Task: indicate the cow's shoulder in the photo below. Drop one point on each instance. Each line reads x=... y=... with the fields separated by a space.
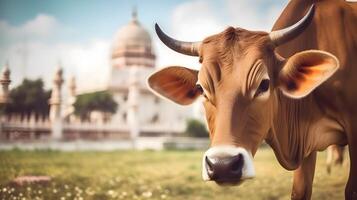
x=296 y=9
x=334 y=20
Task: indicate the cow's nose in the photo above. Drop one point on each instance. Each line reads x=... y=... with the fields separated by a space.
x=225 y=169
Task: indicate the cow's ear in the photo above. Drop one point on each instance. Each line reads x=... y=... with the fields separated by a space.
x=305 y=71
x=176 y=83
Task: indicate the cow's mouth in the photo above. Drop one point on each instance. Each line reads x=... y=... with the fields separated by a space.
x=229 y=182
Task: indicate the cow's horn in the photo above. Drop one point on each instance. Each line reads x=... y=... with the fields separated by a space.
x=187 y=48
x=281 y=36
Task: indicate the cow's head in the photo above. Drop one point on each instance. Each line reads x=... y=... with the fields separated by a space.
x=240 y=78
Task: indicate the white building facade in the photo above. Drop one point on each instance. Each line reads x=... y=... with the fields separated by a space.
x=133 y=60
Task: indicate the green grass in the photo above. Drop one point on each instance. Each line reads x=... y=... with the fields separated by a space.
x=150 y=175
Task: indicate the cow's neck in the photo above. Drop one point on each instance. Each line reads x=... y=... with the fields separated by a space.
x=291 y=124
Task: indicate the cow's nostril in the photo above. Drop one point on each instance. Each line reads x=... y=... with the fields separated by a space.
x=237 y=163
x=209 y=165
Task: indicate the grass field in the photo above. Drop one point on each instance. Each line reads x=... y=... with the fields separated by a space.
x=149 y=175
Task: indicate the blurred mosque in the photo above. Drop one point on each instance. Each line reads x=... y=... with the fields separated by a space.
x=140 y=113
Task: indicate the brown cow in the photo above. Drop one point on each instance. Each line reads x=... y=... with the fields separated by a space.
x=270 y=86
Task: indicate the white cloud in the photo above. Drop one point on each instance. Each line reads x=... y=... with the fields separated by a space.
x=254 y=14
x=32 y=54
x=195 y=20
x=188 y=23
x=89 y=63
x=42 y=27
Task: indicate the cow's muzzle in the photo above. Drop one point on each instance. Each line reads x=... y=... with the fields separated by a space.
x=227 y=165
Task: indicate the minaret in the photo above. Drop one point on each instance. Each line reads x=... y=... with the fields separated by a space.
x=72 y=86
x=133 y=104
x=55 y=105
x=5 y=82
x=71 y=97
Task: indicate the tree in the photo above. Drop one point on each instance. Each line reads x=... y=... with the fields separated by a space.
x=29 y=98
x=196 y=128
x=96 y=101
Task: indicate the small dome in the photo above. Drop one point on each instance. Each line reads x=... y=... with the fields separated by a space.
x=132 y=46
x=6 y=71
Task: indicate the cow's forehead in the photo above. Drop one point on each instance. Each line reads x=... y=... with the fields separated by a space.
x=232 y=43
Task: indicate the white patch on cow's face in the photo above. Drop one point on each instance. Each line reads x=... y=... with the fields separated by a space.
x=248 y=170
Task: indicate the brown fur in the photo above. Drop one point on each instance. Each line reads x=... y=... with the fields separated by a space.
x=334 y=30
x=303 y=111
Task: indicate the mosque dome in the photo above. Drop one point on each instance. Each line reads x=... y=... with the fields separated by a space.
x=132 y=45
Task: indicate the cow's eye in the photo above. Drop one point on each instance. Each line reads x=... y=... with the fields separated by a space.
x=263 y=87
x=200 y=90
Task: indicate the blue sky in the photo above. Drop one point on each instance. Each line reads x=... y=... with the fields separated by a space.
x=93 y=18
x=35 y=35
